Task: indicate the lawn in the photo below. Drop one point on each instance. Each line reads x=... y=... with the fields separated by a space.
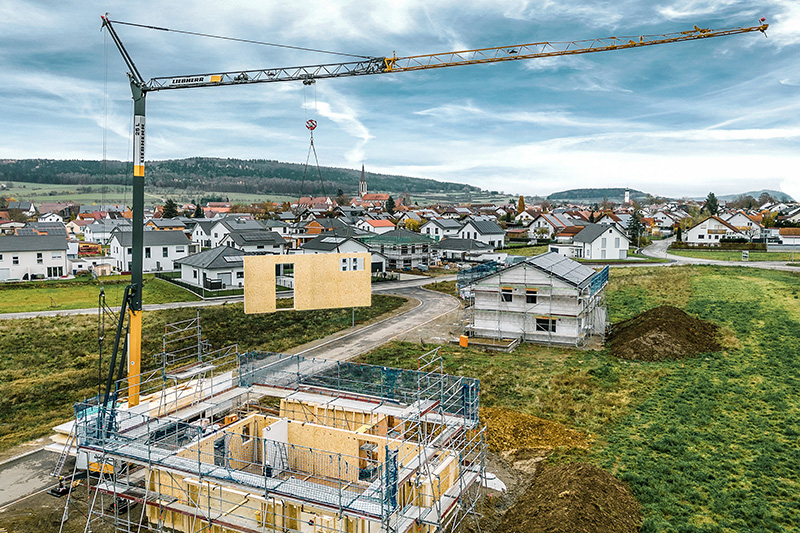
x=526 y=250
x=47 y=364
x=735 y=255
x=83 y=293
x=708 y=443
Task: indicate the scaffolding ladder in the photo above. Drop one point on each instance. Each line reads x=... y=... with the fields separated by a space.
x=62 y=459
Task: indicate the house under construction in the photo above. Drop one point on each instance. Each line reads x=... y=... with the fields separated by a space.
x=225 y=441
x=548 y=299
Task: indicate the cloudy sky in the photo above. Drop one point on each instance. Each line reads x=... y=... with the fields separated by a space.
x=719 y=115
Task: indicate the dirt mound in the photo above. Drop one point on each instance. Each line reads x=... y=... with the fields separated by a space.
x=574 y=498
x=510 y=430
x=662 y=333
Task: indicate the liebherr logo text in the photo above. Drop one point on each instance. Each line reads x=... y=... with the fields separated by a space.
x=177 y=81
x=139 y=134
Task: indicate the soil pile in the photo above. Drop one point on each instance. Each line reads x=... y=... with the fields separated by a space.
x=662 y=333
x=510 y=430
x=574 y=498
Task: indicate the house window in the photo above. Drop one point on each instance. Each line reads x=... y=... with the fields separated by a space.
x=147 y=253
x=194 y=274
x=164 y=252
x=240 y=274
x=39 y=258
x=506 y=294
x=546 y=324
x=603 y=242
x=15 y=259
x=616 y=242
x=345 y=265
x=1 y=257
x=530 y=296
x=179 y=249
x=130 y=252
x=55 y=255
x=701 y=236
x=356 y=263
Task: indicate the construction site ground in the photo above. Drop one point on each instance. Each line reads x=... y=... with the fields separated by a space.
x=639 y=422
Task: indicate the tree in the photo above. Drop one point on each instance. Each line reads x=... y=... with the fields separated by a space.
x=413 y=225
x=3 y=202
x=712 y=205
x=591 y=217
x=769 y=220
x=636 y=226
x=765 y=198
x=341 y=199
x=521 y=204
x=170 y=209
x=198 y=212
x=679 y=235
x=390 y=206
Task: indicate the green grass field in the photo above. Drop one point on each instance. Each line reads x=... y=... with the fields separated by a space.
x=83 y=294
x=48 y=364
x=119 y=194
x=526 y=250
x=735 y=255
x=708 y=443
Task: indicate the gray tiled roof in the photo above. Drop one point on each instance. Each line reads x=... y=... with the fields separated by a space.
x=590 y=232
x=485 y=227
x=31 y=243
x=153 y=238
x=219 y=257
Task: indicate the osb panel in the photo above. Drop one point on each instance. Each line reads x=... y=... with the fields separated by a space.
x=319 y=283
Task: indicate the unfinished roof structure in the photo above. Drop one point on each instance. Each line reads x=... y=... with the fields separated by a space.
x=252 y=442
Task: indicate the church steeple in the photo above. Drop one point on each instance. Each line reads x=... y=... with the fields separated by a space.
x=362 y=184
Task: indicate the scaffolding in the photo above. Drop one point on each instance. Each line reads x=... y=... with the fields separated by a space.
x=257 y=441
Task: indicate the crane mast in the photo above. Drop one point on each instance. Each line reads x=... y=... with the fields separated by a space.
x=367 y=66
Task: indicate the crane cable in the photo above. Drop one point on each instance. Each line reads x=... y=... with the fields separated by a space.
x=236 y=39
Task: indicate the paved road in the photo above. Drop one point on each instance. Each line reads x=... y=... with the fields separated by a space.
x=411 y=281
x=659 y=249
x=28 y=475
x=431 y=306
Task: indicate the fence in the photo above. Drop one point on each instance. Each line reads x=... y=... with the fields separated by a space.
x=172 y=277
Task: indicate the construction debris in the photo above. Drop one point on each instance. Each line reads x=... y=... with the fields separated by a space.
x=574 y=498
x=662 y=333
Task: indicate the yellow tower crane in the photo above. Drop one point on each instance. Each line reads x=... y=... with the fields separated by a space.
x=308 y=74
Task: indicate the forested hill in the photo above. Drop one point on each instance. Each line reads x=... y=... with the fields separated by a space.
x=616 y=194
x=255 y=176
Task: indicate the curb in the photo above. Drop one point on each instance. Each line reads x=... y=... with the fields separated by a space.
x=21 y=456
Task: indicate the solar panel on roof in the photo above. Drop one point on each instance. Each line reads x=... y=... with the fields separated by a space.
x=333 y=240
x=233 y=258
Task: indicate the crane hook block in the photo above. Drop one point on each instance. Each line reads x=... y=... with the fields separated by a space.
x=311 y=124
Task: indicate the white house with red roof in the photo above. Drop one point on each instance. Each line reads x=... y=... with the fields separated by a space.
x=379 y=226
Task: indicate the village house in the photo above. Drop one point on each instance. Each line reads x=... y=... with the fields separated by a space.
x=547 y=299
x=329 y=244
x=486 y=231
x=440 y=228
x=161 y=249
x=218 y=268
x=710 y=231
x=223 y=226
x=403 y=249
x=255 y=242
x=100 y=230
x=595 y=241
x=379 y=226
x=27 y=257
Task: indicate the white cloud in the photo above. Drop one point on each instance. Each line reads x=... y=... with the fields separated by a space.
x=336 y=108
